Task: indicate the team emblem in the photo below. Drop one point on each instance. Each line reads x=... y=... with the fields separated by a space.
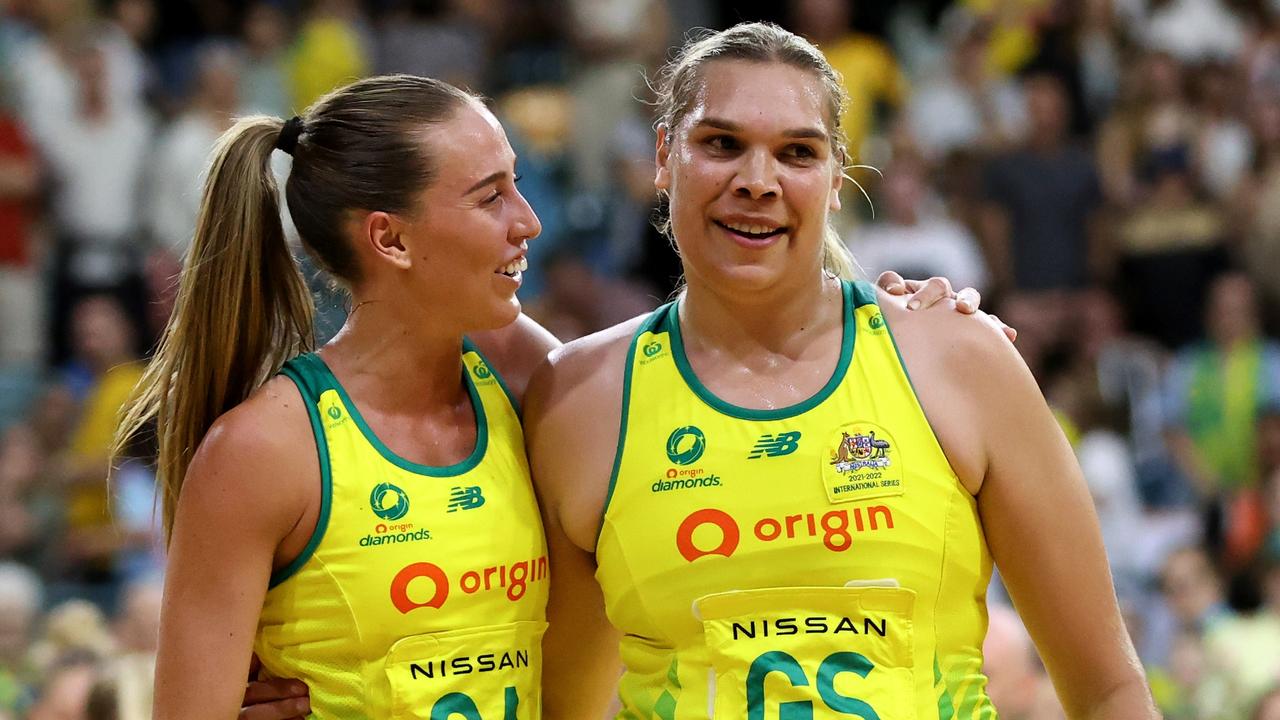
x=859 y=451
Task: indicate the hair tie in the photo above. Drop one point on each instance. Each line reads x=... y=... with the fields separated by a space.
x=288 y=140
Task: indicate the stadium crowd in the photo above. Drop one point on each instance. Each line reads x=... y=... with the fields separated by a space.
x=1106 y=172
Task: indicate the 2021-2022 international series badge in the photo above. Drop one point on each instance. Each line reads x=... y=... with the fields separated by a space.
x=863 y=462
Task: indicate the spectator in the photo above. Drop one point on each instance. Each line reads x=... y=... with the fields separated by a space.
x=104 y=344
x=1244 y=652
x=1216 y=391
x=916 y=238
x=332 y=48
x=1009 y=660
x=1171 y=246
x=66 y=689
x=876 y=86
x=435 y=39
x=20 y=603
x=613 y=40
x=1223 y=145
x=20 y=299
x=21 y=461
x=1154 y=116
x=178 y=169
x=1192 y=593
x=263 y=87
x=1258 y=203
x=1042 y=196
x=72 y=629
x=96 y=157
x=137 y=632
x=1128 y=369
x=964 y=103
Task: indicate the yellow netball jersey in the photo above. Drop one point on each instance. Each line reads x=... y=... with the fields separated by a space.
x=423 y=592
x=816 y=562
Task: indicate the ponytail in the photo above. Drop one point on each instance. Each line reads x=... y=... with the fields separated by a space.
x=836 y=258
x=242 y=309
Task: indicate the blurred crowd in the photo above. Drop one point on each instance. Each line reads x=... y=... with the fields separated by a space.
x=1106 y=172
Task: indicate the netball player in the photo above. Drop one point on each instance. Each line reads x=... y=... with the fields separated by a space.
x=364 y=520
x=784 y=491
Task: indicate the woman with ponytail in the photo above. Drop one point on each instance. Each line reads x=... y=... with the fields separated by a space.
x=360 y=517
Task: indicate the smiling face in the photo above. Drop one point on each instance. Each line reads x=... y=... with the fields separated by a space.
x=467 y=238
x=751 y=176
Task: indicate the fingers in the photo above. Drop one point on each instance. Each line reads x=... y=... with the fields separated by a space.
x=273 y=691
x=930 y=292
x=291 y=709
x=968 y=300
x=892 y=283
x=1009 y=332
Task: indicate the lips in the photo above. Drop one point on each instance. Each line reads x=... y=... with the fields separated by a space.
x=753 y=230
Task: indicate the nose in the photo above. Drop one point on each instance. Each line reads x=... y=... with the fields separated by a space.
x=757 y=177
x=527 y=225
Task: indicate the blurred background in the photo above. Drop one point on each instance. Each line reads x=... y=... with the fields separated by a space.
x=1106 y=172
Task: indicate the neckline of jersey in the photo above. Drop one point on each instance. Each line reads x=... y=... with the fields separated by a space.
x=458 y=468
x=849 y=335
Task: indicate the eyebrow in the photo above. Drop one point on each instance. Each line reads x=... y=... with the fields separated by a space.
x=490 y=179
x=802 y=132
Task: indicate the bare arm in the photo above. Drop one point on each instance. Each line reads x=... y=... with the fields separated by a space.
x=1036 y=512
x=1043 y=533
x=244 y=493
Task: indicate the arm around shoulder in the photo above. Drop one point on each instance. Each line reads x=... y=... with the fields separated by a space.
x=245 y=491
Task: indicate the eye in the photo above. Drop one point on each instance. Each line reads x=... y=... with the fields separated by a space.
x=491 y=199
x=802 y=152
x=722 y=143
x=517 y=178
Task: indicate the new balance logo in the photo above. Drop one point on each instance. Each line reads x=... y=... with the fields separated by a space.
x=465 y=498
x=775 y=445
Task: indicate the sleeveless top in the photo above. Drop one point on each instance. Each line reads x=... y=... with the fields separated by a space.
x=819 y=561
x=422 y=593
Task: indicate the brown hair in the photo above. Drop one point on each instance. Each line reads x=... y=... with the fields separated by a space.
x=681 y=79
x=243 y=307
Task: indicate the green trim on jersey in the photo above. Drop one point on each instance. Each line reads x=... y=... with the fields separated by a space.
x=468 y=346
x=671 y=324
x=650 y=324
x=312 y=379
x=477 y=453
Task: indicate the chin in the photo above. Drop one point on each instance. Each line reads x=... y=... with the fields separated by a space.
x=501 y=314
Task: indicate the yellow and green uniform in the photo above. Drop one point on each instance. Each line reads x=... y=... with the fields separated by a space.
x=816 y=562
x=423 y=591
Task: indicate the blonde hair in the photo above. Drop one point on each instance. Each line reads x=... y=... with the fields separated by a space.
x=243 y=307
x=679 y=81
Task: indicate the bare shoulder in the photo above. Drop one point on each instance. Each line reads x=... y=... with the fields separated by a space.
x=962 y=367
x=588 y=364
x=516 y=350
x=572 y=419
x=258 y=463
